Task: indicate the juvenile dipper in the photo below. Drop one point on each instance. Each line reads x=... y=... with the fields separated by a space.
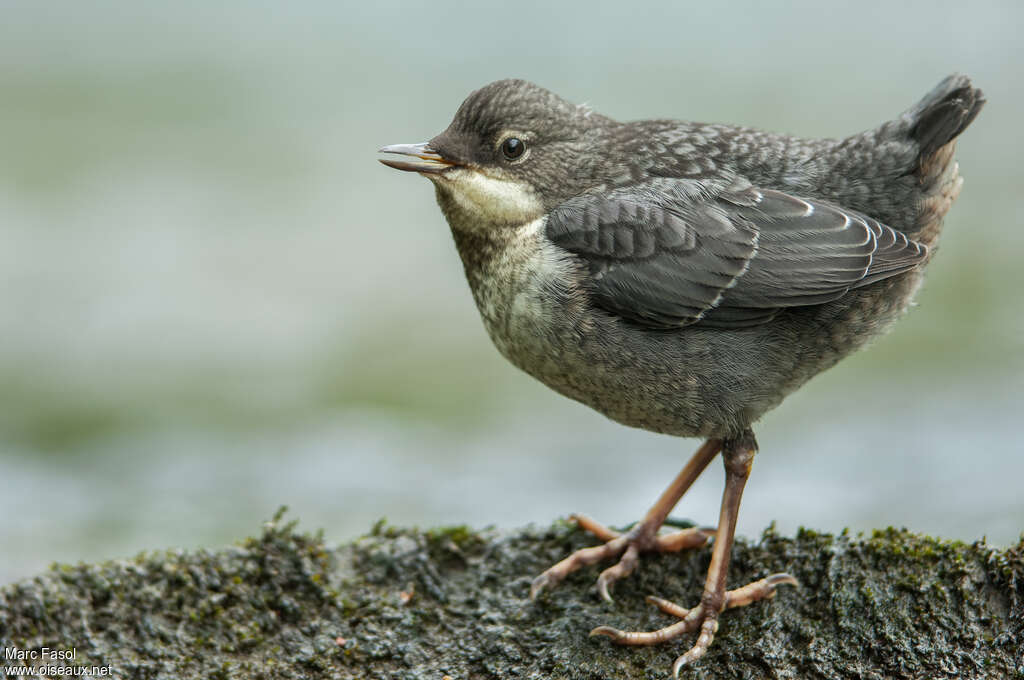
x=685 y=277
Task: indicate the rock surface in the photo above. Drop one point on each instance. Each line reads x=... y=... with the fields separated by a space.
x=404 y=603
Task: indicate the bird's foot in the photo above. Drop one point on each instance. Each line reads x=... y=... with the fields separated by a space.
x=640 y=539
x=702 y=617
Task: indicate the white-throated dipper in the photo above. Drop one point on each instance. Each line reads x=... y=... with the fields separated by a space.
x=684 y=278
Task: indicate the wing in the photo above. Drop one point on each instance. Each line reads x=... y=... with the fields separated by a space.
x=674 y=252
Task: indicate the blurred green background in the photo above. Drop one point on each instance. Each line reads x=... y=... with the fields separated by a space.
x=213 y=299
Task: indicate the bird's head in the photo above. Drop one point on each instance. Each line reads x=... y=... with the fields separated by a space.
x=513 y=151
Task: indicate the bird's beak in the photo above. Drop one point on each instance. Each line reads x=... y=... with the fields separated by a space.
x=429 y=162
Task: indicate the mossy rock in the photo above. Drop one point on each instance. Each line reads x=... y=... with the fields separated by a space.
x=404 y=603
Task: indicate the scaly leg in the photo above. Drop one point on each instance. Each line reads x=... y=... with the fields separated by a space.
x=738 y=455
x=641 y=538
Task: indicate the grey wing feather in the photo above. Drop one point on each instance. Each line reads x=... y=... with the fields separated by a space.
x=671 y=255
x=811 y=252
x=647 y=261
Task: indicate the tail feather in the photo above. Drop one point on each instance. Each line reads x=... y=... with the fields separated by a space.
x=934 y=124
x=944 y=113
x=905 y=170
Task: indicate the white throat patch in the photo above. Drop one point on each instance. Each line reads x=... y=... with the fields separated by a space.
x=494 y=200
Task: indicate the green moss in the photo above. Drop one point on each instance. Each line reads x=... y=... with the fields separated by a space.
x=461 y=537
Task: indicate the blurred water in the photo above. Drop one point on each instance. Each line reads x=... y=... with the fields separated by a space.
x=213 y=300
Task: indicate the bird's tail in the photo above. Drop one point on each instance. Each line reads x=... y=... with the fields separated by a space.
x=933 y=124
x=903 y=172
x=943 y=114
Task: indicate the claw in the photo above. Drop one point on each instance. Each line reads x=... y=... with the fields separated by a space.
x=700 y=647
x=602 y=588
x=538 y=585
x=608 y=631
x=623 y=568
x=782 y=577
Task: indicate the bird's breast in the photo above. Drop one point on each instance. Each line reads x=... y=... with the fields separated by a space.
x=527 y=293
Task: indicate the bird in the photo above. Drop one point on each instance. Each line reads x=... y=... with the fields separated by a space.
x=684 y=278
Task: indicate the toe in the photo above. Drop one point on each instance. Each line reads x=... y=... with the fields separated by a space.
x=594 y=527
x=684 y=539
x=670 y=608
x=646 y=638
x=758 y=590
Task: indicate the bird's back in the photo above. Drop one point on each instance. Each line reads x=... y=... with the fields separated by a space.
x=901 y=173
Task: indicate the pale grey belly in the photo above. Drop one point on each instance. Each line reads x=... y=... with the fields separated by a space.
x=691 y=381
x=678 y=383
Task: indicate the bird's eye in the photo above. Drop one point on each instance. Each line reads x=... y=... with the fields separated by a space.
x=513 y=148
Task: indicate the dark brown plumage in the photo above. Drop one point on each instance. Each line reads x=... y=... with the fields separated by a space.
x=684 y=277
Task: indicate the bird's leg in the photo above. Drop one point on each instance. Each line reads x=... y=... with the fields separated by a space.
x=738 y=455
x=643 y=537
